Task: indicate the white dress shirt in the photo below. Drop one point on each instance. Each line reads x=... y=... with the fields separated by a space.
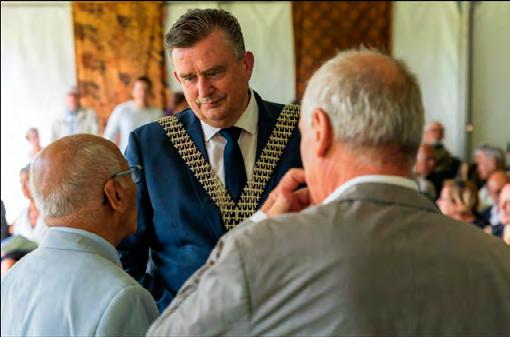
x=215 y=143
x=83 y=121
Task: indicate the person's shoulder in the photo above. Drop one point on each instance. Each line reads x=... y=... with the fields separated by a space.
x=89 y=112
x=124 y=106
x=284 y=225
x=104 y=269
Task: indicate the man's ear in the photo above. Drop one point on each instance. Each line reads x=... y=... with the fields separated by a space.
x=116 y=195
x=249 y=62
x=322 y=132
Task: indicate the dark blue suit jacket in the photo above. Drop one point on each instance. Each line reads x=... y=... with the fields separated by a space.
x=178 y=223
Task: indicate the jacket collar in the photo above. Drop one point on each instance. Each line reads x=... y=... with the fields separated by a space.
x=264 y=128
x=388 y=194
x=66 y=238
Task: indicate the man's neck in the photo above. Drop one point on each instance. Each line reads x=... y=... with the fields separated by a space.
x=99 y=229
x=141 y=104
x=341 y=166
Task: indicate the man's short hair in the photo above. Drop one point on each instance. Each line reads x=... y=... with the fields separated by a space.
x=368 y=108
x=493 y=152
x=196 y=24
x=146 y=80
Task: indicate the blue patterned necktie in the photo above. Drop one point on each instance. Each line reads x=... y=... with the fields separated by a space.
x=235 y=172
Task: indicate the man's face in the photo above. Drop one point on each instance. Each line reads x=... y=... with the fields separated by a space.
x=485 y=165
x=504 y=205
x=495 y=185
x=214 y=82
x=141 y=90
x=24 y=180
x=33 y=138
x=425 y=162
x=72 y=101
x=433 y=134
x=446 y=203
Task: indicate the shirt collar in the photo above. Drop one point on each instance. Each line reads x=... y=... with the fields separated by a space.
x=104 y=245
x=247 y=122
x=392 y=180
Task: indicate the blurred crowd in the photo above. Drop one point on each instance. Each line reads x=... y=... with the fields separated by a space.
x=469 y=192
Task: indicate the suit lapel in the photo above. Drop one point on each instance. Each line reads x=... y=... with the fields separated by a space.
x=266 y=122
x=210 y=210
x=194 y=128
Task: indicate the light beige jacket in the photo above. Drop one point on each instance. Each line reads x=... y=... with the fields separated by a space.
x=380 y=260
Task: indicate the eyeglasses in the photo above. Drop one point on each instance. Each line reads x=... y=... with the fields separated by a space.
x=134 y=171
x=136 y=175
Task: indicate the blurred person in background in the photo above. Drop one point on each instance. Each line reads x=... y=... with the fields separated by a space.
x=76 y=119
x=5 y=226
x=131 y=114
x=424 y=167
x=489 y=159
x=29 y=223
x=32 y=137
x=446 y=164
x=459 y=201
x=504 y=212
x=495 y=184
x=176 y=102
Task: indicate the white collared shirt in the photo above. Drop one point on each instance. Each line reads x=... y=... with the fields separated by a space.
x=390 y=180
x=494 y=216
x=215 y=143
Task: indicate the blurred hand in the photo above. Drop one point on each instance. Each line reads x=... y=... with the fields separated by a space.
x=286 y=197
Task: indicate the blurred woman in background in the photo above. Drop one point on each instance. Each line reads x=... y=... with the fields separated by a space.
x=459 y=200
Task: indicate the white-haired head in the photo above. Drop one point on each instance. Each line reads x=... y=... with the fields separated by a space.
x=372 y=101
x=68 y=176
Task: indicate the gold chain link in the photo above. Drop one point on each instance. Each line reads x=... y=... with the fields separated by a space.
x=232 y=213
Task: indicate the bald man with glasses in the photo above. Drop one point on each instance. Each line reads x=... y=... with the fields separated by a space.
x=73 y=284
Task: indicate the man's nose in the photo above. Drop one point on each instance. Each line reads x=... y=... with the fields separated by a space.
x=205 y=88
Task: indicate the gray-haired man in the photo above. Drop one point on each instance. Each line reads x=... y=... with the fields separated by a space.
x=371 y=255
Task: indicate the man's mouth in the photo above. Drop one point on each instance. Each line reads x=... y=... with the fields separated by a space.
x=211 y=102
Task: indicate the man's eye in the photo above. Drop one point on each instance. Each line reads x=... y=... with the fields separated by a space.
x=214 y=74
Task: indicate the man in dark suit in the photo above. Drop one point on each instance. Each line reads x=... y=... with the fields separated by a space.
x=211 y=166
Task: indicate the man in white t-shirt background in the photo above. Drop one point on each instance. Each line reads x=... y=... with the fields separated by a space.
x=129 y=115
